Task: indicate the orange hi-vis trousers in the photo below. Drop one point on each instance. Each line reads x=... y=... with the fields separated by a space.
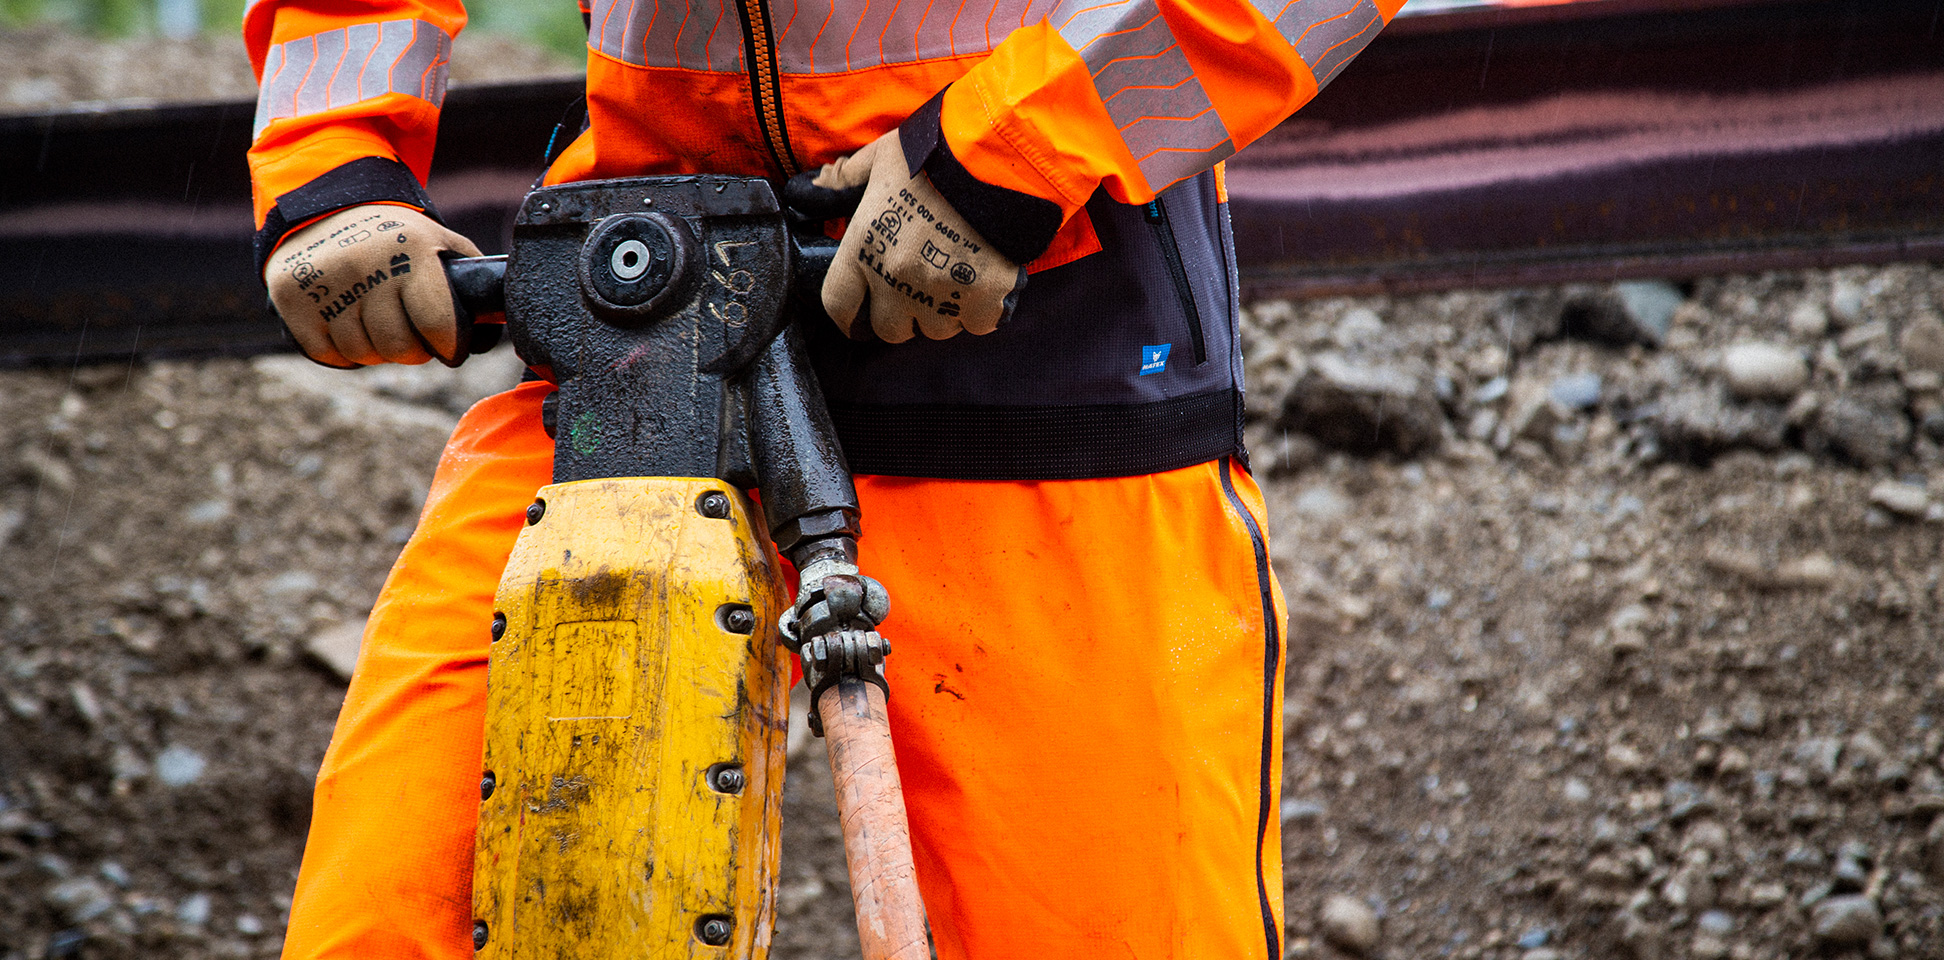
x=1086 y=700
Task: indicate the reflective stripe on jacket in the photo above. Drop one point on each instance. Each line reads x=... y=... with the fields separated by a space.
x=1095 y=106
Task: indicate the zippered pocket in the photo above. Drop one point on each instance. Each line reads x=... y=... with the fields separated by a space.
x=1164 y=235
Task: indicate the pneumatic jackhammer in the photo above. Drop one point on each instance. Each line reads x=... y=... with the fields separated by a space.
x=637 y=691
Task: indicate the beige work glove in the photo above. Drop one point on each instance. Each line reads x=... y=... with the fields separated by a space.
x=908 y=259
x=365 y=285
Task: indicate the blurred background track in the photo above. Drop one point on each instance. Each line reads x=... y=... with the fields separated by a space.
x=1474 y=145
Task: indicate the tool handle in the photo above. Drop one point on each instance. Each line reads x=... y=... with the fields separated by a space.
x=877 y=838
x=478 y=299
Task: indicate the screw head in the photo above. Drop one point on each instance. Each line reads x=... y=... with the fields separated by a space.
x=499 y=625
x=739 y=619
x=535 y=511
x=486 y=785
x=713 y=931
x=714 y=505
x=727 y=780
x=480 y=934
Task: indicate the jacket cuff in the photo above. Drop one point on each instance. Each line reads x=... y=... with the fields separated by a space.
x=1018 y=225
x=364 y=180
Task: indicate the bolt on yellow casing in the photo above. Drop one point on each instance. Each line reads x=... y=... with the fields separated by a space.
x=634 y=755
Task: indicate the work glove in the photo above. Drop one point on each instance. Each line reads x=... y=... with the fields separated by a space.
x=909 y=263
x=365 y=285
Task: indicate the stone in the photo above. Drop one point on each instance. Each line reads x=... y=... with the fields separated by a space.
x=1624 y=759
x=1764 y=371
x=1636 y=311
x=1322 y=502
x=1820 y=754
x=1734 y=762
x=1849 y=920
x=179 y=766
x=1902 y=499
x=1360 y=327
x=1851 y=876
x=1364 y=407
x=1535 y=938
x=1298 y=812
x=193 y=911
x=1808 y=321
x=1767 y=896
x=1922 y=343
x=1812 y=572
x=1867 y=427
x=1858 y=337
x=1696 y=425
x=1846 y=302
x=1528 y=317
x=1349 y=924
x=336 y=646
x=1576 y=391
x=80 y=900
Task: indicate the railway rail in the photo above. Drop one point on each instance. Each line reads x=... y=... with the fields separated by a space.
x=1478 y=145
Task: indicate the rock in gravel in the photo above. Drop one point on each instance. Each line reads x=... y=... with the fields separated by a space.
x=179 y=766
x=80 y=900
x=1360 y=327
x=1349 y=924
x=1846 y=302
x=1576 y=391
x=1904 y=499
x=194 y=910
x=1764 y=371
x=336 y=646
x=1866 y=426
x=1850 y=920
x=1364 y=407
x=1637 y=311
x=1808 y=321
x=1696 y=425
x=1922 y=343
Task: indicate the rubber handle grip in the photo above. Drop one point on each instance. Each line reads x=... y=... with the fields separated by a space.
x=478 y=298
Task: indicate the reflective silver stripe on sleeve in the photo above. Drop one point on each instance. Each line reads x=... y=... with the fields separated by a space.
x=337 y=68
x=1161 y=110
x=701 y=35
x=315 y=94
x=811 y=36
x=1327 y=34
x=273 y=64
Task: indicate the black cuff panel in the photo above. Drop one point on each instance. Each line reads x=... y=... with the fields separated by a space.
x=365 y=180
x=1018 y=225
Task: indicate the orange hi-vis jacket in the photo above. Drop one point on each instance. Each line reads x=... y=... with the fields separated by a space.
x=1056 y=127
x=1052 y=98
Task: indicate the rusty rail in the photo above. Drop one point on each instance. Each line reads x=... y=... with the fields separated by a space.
x=1480 y=147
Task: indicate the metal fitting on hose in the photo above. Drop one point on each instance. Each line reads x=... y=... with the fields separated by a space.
x=832 y=625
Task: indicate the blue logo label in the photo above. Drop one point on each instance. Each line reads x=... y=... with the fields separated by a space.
x=1155 y=359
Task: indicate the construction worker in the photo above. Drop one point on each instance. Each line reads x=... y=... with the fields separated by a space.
x=1086 y=696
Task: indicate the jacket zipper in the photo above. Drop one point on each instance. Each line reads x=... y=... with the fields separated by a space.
x=1157 y=217
x=765 y=90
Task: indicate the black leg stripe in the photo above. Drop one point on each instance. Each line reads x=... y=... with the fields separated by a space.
x=1272 y=654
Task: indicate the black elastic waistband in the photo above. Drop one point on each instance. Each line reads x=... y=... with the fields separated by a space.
x=955 y=442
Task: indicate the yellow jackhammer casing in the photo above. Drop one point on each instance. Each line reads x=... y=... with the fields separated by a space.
x=637 y=710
